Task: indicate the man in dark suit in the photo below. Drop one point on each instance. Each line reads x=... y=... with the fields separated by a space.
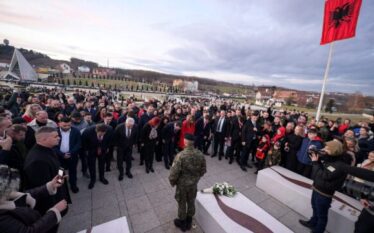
x=220 y=128
x=108 y=120
x=42 y=165
x=249 y=138
x=68 y=150
x=90 y=108
x=169 y=136
x=125 y=136
x=235 y=137
x=203 y=133
x=147 y=116
x=96 y=141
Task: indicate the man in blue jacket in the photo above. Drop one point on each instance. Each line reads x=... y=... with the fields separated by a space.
x=304 y=166
x=68 y=150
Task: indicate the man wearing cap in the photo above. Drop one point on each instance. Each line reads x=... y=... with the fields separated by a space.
x=188 y=167
x=329 y=174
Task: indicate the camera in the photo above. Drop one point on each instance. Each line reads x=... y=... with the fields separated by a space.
x=359 y=190
x=314 y=150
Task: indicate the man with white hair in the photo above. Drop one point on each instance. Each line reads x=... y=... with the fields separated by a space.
x=41 y=119
x=125 y=136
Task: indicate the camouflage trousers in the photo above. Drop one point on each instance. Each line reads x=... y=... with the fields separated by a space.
x=185 y=196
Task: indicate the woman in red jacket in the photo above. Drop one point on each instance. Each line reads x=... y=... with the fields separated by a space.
x=188 y=127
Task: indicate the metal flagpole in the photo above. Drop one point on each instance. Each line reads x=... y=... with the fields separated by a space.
x=324 y=82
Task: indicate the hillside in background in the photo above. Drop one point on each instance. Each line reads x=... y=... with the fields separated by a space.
x=354 y=102
x=41 y=60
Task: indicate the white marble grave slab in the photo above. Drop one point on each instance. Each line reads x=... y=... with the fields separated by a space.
x=213 y=220
x=118 y=225
x=342 y=217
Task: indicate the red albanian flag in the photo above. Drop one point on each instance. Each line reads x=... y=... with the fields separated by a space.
x=340 y=20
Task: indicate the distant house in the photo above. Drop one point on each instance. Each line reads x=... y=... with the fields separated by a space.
x=262 y=97
x=84 y=69
x=284 y=95
x=42 y=70
x=190 y=86
x=64 y=68
x=103 y=71
x=4 y=65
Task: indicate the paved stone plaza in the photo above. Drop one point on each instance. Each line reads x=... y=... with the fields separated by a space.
x=148 y=201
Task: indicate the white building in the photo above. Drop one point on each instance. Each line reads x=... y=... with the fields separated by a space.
x=20 y=69
x=65 y=68
x=262 y=99
x=4 y=65
x=84 y=69
x=186 y=85
x=191 y=86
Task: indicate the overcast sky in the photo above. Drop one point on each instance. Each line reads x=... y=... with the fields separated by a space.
x=269 y=42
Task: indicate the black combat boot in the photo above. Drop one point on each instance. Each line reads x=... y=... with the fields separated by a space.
x=181 y=224
x=188 y=223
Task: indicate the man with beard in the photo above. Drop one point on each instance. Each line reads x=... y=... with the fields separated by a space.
x=70 y=107
x=53 y=109
x=13 y=150
x=68 y=150
x=78 y=122
x=41 y=119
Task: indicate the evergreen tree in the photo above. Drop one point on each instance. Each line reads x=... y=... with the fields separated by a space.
x=329 y=106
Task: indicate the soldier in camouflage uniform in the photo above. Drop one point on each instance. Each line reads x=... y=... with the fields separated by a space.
x=188 y=166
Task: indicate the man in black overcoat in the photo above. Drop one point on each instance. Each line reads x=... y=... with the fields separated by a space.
x=125 y=136
x=96 y=141
x=42 y=165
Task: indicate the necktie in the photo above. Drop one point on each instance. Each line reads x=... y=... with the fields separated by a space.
x=99 y=146
x=220 y=125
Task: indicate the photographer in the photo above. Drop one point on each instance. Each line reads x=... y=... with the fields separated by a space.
x=365 y=222
x=17 y=209
x=329 y=173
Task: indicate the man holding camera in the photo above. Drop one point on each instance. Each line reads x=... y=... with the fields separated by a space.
x=365 y=222
x=329 y=173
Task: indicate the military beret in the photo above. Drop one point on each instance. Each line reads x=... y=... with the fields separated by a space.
x=189 y=137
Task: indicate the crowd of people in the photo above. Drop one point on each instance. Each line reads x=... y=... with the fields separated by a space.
x=43 y=132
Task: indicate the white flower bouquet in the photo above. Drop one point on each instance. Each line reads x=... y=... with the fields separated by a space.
x=224 y=189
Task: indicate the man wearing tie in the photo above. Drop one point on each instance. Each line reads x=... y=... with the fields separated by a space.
x=169 y=136
x=125 y=136
x=220 y=130
x=96 y=141
x=203 y=133
x=249 y=140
